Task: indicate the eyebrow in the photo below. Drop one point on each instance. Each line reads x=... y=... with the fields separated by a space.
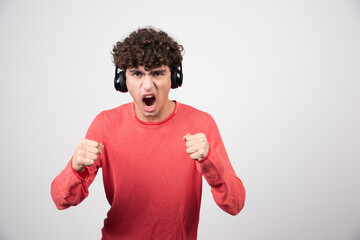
x=135 y=70
x=158 y=71
x=151 y=72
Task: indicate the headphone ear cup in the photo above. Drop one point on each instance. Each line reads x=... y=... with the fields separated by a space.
x=173 y=78
x=120 y=81
x=176 y=77
x=122 y=78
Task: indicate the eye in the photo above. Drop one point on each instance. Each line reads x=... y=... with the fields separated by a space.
x=158 y=73
x=136 y=73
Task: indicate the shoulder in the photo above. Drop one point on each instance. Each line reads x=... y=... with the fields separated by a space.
x=122 y=111
x=124 y=108
x=188 y=111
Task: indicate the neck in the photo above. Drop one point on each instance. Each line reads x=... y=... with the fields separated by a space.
x=161 y=115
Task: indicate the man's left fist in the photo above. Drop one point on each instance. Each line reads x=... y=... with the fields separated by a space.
x=196 y=145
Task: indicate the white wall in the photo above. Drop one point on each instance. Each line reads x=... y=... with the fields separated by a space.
x=281 y=78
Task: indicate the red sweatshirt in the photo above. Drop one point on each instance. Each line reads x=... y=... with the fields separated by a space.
x=151 y=183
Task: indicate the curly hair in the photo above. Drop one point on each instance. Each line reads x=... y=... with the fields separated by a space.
x=149 y=48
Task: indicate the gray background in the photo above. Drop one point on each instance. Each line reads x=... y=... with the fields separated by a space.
x=281 y=78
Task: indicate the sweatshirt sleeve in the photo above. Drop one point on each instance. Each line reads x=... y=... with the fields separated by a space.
x=226 y=188
x=70 y=188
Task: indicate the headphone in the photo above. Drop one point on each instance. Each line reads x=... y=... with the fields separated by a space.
x=120 y=79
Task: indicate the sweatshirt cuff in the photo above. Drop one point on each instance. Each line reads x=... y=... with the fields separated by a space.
x=82 y=176
x=207 y=156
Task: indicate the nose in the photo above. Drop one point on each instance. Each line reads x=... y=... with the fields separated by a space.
x=147 y=83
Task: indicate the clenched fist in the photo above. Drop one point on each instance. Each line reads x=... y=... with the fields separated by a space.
x=86 y=154
x=197 y=146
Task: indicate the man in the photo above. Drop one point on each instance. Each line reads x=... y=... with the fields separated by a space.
x=153 y=152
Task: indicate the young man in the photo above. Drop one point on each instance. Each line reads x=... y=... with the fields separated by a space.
x=153 y=152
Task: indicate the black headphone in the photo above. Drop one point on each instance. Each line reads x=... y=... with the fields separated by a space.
x=120 y=79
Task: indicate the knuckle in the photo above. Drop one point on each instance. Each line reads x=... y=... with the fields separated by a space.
x=85 y=148
x=203 y=136
x=87 y=162
x=79 y=161
x=81 y=146
x=80 y=152
x=201 y=152
x=92 y=143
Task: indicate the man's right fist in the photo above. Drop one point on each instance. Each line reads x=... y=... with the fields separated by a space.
x=86 y=154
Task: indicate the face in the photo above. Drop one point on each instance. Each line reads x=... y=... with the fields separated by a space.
x=150 y=92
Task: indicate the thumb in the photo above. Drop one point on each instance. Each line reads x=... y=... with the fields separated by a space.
x=100 y=147
x=184 y=138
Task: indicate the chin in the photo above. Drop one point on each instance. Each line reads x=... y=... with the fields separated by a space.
x=148 y=113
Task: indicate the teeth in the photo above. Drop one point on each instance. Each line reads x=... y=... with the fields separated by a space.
x=148 y=96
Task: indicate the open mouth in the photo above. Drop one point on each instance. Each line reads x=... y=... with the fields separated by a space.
x=149 y=101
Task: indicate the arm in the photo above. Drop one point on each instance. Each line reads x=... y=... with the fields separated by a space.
x=213 y=163
x=70 y=187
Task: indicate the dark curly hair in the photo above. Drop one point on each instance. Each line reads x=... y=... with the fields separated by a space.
x=149 y=48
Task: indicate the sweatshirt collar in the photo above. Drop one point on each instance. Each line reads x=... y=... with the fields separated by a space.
x=156 y=123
